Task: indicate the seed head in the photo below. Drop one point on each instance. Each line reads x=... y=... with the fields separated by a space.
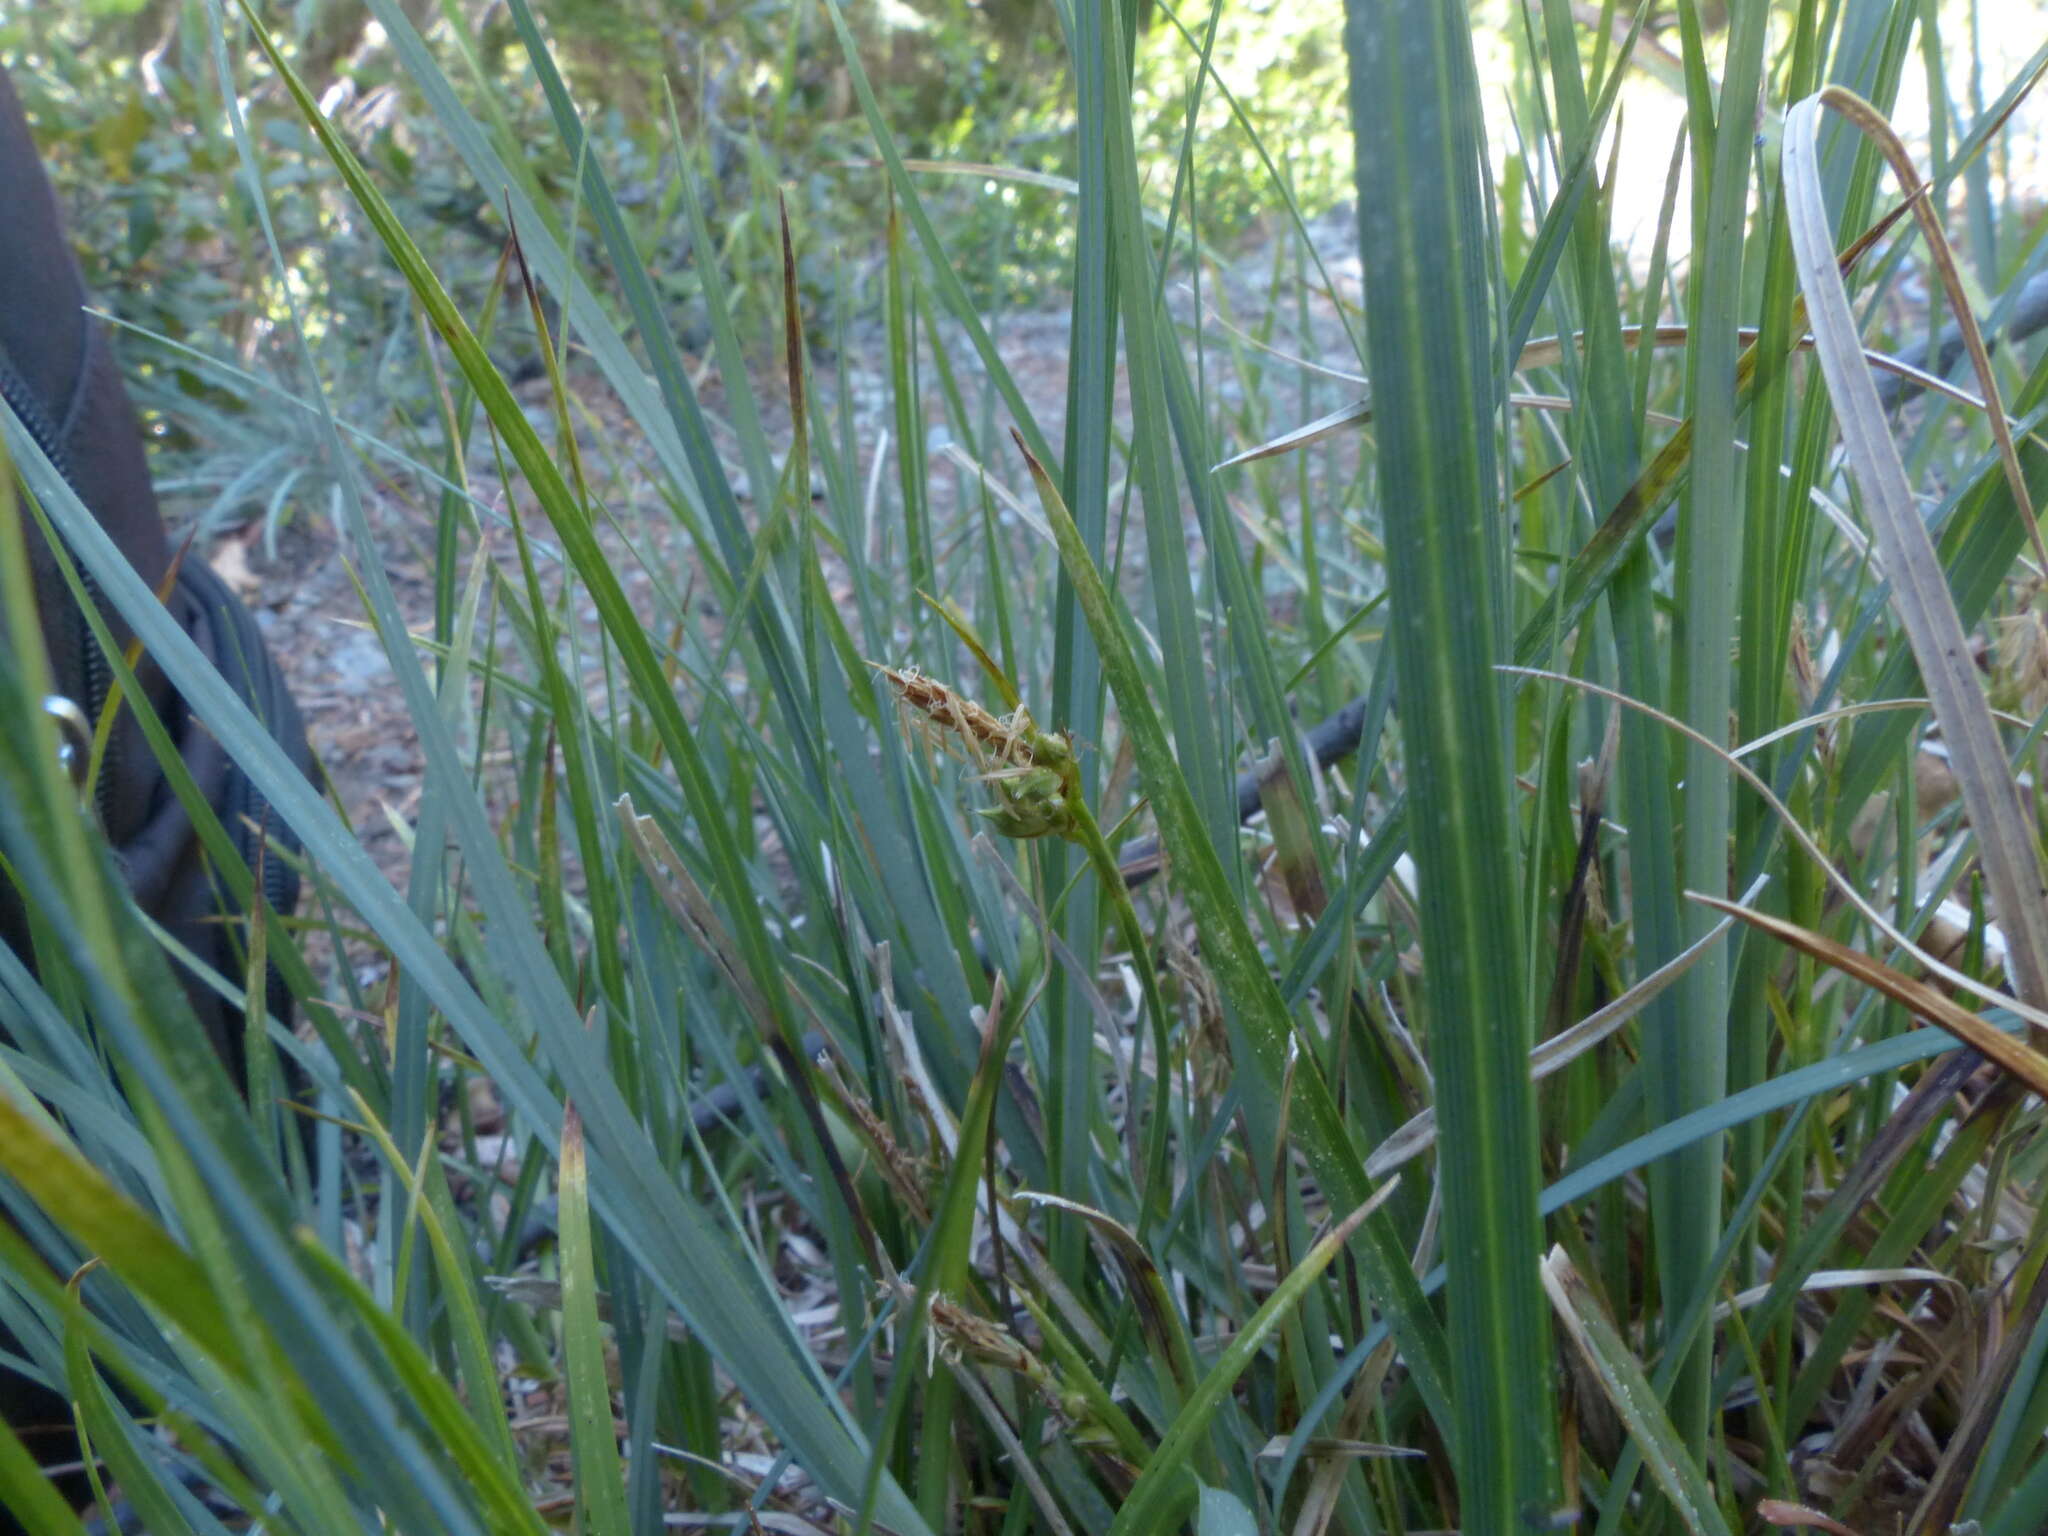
x=1031 y=771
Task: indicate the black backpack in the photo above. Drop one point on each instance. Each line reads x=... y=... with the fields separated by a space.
x=58 y=374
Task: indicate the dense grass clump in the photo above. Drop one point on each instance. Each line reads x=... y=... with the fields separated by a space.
x=1040 y=919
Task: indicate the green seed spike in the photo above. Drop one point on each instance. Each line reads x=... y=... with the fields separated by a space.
x=1032 y=804
x=1030 y=771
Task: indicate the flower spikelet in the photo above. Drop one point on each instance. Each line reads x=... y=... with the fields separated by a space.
x=963 y=1336
x=1032 y=772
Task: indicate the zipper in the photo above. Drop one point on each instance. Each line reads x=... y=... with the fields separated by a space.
x=98 y=674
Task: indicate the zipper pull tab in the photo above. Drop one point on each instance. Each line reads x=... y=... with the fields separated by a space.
x=74 y=746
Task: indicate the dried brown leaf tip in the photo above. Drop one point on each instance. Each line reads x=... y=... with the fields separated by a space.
x=1032 y=772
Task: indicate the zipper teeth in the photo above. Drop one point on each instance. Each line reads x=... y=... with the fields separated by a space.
x=99 y=683
x=99 y=675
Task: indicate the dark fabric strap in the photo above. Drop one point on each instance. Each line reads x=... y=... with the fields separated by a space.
x=59 y=368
